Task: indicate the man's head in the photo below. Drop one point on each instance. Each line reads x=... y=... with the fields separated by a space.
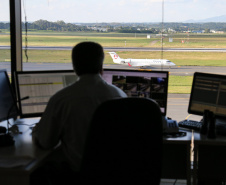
x=87 y=58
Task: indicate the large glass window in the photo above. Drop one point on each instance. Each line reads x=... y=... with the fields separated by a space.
x=53 y=27
x=191 y=34
x=5 y=56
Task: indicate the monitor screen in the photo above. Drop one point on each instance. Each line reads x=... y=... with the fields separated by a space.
x=141 y=83
x=8 y=108
x=39 y=86
x=208 y=93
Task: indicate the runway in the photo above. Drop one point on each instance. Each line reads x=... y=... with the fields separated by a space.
x=127 y=49
x=175 y=70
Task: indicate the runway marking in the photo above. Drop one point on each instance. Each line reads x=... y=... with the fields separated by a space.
x=182 y=72
x=177 y=104
x=178 y=98
x=188 y=116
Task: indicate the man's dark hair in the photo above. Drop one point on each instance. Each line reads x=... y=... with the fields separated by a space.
x=87 y=58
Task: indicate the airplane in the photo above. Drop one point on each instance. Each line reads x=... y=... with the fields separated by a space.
x=141 y=62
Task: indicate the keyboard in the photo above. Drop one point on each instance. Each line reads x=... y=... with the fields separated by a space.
x=190 y=124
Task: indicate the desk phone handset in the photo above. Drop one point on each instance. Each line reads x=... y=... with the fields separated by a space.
x=6 y=140
x=170 y=126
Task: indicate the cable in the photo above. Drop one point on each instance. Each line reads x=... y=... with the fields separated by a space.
x=10 y=109
x=8 y=115
x=26 y=39
x=175 y=182
x=30 y=125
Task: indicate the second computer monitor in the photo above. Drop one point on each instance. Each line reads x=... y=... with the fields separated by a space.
x=141 y=83
x=8 y=108
x=208 y=93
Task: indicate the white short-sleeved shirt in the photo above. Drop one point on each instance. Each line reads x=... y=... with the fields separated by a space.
x=68 y=114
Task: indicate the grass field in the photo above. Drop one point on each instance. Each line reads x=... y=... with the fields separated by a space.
x=179 y=58
x=177 y=84
x=180 y=84
x=45 y=38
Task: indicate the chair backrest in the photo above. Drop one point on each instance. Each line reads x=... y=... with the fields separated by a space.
x=124 y=144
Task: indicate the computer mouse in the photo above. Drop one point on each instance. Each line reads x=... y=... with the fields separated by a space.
x=2 y=130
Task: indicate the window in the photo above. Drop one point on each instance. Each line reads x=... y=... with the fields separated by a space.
x=5 y=57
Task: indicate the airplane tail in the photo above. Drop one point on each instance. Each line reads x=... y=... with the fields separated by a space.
x=115 y=57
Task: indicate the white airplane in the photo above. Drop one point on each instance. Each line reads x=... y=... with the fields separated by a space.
x=141 y=62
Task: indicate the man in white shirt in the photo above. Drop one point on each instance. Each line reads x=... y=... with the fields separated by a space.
x=68 y=113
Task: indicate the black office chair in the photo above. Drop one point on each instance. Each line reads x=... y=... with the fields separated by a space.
x=124 y=144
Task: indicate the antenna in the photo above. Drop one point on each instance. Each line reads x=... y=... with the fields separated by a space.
x=25 y=23
x=162 y=29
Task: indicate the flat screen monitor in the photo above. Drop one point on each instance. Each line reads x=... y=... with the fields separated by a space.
x=208 y=93
x=8 y=108
x=141 y=83
x=39 y=86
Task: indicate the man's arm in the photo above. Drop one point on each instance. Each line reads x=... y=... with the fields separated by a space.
x=46 y=133
x=34 y=137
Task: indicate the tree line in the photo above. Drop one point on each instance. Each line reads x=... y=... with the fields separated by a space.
x=116 y=27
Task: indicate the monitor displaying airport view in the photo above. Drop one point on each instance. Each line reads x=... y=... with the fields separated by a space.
x=208 y=93
x=8 y=107
x=138 y=83
x=39 y=87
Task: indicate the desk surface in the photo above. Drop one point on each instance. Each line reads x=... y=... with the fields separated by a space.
x=24 y=149
x=181 y=139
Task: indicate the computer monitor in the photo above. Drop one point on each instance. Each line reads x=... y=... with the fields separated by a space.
x=208 y=93
x=141 y=83
x=8 y=108
x=39 y=86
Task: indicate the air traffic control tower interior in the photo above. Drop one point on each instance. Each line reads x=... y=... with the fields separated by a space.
x=207 y=95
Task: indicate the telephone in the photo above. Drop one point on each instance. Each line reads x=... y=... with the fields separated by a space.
x=170 y=126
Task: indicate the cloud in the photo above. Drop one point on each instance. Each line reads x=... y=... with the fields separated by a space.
x=160 y=1
x=4 y=13
x=122 y=3
x=122 y=10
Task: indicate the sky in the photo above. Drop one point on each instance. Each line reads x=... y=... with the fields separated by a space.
x=72 y=11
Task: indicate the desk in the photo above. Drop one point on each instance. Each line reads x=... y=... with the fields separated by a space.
x=23 y=148
x=176 y=158
x=209 y=158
